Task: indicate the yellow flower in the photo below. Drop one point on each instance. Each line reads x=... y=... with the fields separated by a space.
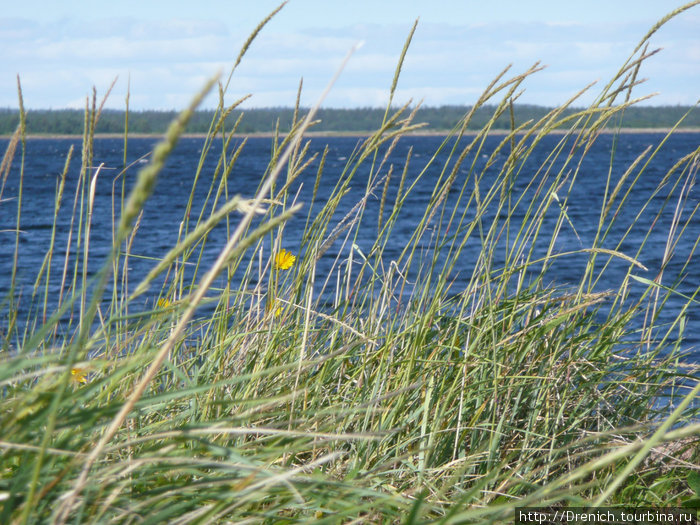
x=277 y=308
x=163 y=303
x=78 y=375
x=284 y=260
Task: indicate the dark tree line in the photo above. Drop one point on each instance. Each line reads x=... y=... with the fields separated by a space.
x=71 y=122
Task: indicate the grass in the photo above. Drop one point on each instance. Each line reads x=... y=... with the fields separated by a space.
x=402 y=398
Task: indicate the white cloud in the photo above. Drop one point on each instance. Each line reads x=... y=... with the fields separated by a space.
x=168 y=60
x=596 y=51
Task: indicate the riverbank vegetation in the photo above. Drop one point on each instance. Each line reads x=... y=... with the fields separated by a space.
x=239 y=393
x=329 y=120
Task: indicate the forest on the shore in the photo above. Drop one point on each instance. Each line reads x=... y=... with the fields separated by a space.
x=263 y=120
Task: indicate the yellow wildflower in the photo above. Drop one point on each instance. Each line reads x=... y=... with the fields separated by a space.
x=78 y=375
x=277 y=308
x=284 y=260
x=163 y=303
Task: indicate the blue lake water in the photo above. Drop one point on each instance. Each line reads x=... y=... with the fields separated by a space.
x=163 y=213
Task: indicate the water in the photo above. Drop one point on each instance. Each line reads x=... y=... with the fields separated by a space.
x=163 y=213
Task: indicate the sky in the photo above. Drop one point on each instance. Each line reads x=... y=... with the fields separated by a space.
x=162 y=52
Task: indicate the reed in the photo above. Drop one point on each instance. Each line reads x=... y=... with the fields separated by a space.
x=401 y=399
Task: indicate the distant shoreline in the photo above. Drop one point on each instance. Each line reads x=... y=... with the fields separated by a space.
x=266 y=134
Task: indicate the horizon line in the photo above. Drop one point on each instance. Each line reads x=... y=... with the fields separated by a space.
x=363 y=108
